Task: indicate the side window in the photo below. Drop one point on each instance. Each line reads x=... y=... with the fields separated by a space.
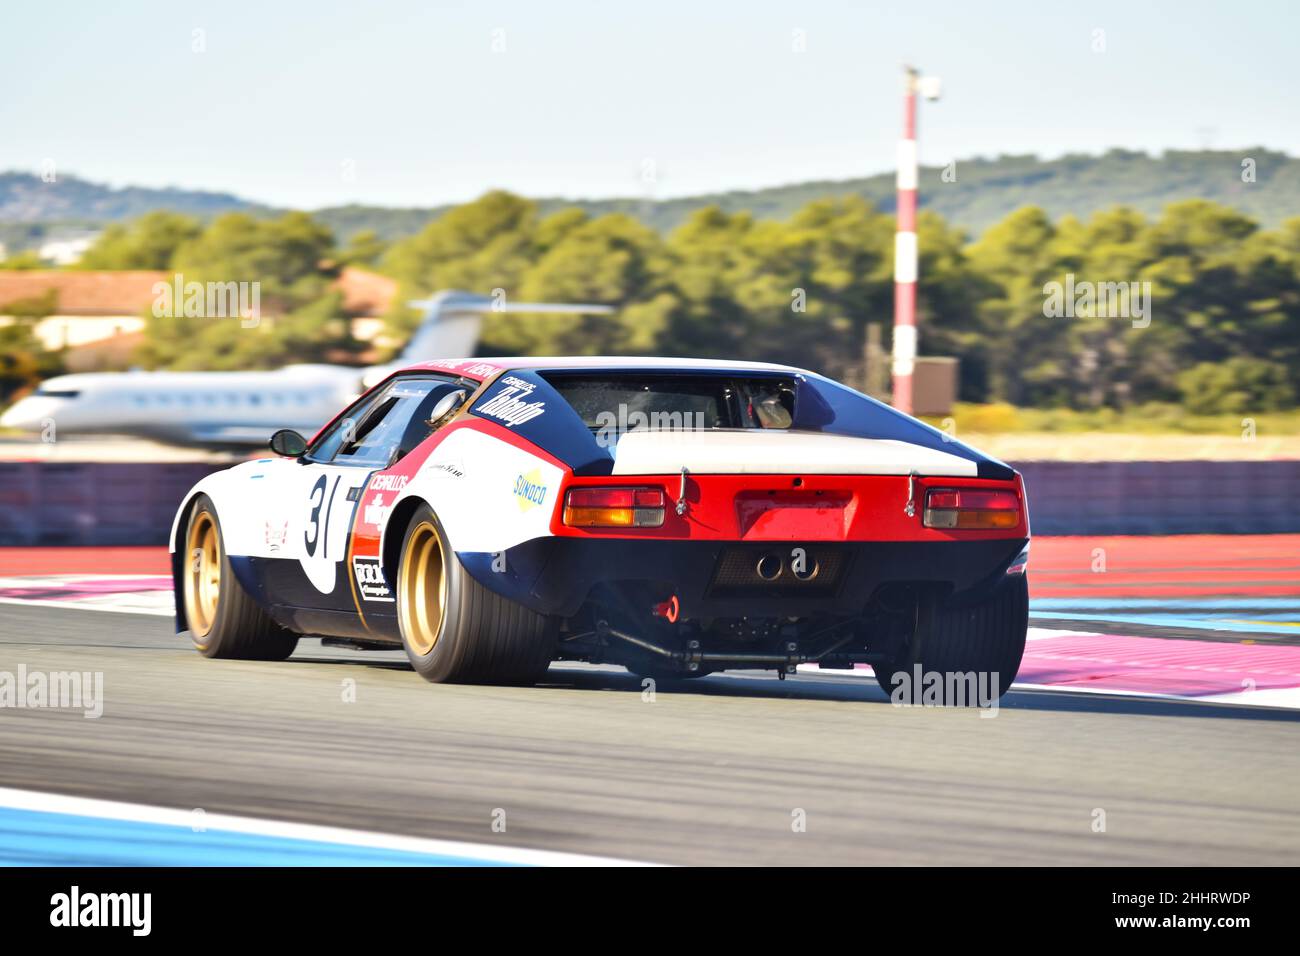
x=327 y=446
x=371 y=433
x=420 y=425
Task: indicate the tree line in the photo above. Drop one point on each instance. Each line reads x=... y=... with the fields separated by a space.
x=1222 y=294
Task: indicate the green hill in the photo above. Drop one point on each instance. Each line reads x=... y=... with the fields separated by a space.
x=25 y=197
x=984 y=191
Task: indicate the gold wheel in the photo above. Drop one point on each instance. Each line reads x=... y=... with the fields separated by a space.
x=203 y=574
x=422 y=589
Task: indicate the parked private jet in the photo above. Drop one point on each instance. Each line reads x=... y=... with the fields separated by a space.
x=241 y=409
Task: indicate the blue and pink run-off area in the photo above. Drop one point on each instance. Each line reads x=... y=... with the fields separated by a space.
x=1195 y=617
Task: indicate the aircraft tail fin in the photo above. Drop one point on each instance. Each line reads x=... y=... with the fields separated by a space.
x=453 y=319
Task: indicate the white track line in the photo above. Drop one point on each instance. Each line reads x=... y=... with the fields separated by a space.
x=154 y=601
x=78 y=605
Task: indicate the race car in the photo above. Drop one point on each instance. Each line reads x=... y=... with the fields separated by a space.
x=677 y=517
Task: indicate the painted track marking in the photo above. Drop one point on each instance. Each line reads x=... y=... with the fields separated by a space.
x=1060 y=660
x=54 y=829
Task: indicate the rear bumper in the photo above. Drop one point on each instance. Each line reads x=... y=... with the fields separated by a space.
x=716 y=578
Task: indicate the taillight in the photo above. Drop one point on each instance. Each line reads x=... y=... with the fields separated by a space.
x=614 y=508
x=969 y=508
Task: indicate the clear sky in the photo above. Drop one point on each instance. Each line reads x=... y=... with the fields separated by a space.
x=399 y=102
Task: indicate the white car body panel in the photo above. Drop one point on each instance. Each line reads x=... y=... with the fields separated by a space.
x=272 y=508
x=489 y=494
x=773 y=452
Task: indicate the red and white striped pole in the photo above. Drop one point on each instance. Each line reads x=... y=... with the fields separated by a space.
x=905 y=242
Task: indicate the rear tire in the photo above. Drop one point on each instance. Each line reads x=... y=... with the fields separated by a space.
x=454 y=629
x=987 y=638
x=224 y=621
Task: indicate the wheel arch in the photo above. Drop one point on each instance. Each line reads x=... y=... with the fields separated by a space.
x=177 y=549
x=213 y=486
x=390 y=554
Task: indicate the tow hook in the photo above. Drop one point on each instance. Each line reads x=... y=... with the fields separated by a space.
x=669 y=610
x=910 y=510
x=681 y=494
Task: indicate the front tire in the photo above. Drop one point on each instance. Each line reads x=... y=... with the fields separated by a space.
x=953 y=641
x=223 y=620
x=454 y=629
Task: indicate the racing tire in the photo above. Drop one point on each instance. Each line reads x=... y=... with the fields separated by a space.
x=986 y=638
x=224 y=621
x=454 y=629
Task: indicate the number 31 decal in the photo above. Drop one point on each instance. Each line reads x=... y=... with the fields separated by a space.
x=314 y=533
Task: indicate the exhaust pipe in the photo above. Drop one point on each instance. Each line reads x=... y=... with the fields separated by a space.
x=769 y=567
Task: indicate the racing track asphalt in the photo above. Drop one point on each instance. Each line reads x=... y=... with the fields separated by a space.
x=708 y=773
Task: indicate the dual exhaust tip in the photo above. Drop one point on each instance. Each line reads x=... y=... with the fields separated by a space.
x=772 y=566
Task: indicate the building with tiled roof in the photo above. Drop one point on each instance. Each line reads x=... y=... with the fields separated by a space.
x=95 y=307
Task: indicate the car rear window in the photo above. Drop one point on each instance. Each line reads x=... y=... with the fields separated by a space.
x=627 y=402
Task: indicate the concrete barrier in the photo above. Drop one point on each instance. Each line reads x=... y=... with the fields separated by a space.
x=92 y=503
x=126 y=503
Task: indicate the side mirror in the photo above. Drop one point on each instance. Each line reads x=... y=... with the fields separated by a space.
x=447 y=406
x=288 y=443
